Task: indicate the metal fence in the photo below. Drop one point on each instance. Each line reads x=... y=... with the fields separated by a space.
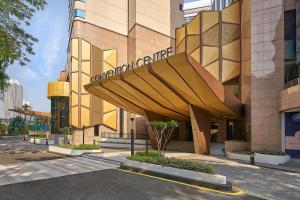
x=125 y=135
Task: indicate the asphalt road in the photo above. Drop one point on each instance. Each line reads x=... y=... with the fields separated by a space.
x=109 y=184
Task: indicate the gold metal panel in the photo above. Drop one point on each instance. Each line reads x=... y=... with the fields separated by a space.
x=108 y=107
x=231 y=51
x=150 y=104
x=230 y=70
x=166 y=92
x=214 y=69
x=74 y=82
x=62 y=76
x=74 y=63
x=106 y=66
x=85 y=100
x=74 y=117
x=166 y=72
x=110 y=119
x=74 y=47
x=149 y=90
x=192 y=43
x=196 y=55
x=210 y=18
x=231 y=14
x=180 y=35
x=211 y=37
x=207 y=98
x=58 y=89
x=86 y=50
x=230 y=32
x=181 y=47
x=84 y=81
x=110 y=56
x=74 y=99
x=85 y=117
x=193 y=27
x=210 y=54
x=86 y=67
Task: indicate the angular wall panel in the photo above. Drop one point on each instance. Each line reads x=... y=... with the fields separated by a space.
x=193 y=27
x=231 y=14
x=209 y=19
x=232 y=51
x=210 y=54
x=230 y=70
x=214 y=69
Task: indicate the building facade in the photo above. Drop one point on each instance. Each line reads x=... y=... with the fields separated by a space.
x=233 y=80
x=13 y=98
x=104 y=35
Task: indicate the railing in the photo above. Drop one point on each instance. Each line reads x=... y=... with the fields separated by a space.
x=125 y=135
x=292 y=83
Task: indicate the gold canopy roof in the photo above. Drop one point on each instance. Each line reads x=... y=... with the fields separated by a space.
x=167 y=87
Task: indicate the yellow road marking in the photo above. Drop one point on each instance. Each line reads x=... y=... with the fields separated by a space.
x=237 y=192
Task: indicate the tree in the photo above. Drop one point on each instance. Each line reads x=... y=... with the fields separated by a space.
x=163 y=132
x=3 y=128
x=17 y=126
x=15 y=42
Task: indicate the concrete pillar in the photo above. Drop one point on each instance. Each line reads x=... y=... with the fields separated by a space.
x=200 y=120
x=222 y=131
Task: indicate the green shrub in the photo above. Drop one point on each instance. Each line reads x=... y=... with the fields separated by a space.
x=79 y=147
x=243 y=152
x=176 y=163
x=270 y=152
x=151 y=154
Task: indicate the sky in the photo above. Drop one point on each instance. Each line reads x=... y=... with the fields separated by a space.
x=50 y=27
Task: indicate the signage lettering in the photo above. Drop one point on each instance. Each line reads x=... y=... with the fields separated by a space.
x=138 y=63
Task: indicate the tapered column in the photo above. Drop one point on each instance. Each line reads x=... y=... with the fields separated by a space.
x=200 y=120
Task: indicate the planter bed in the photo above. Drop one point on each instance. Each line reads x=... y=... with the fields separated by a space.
x=122 y=145
x=72 y=152
x=271 y=159
x=215 y=181
x=237 y=156
x=40 y=141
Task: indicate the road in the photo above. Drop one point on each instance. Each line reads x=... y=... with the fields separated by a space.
x=83 y=178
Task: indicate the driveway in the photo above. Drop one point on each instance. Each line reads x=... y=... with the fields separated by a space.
x=15 y=150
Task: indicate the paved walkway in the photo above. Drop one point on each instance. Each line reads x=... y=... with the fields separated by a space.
x=257 y=181
x=15 y=150
x=37 y=170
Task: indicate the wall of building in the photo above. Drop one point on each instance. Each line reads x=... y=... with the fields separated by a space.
x=267 y=72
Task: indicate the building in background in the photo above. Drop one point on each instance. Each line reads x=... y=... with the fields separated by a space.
x=104 y=35
x=220 y=4
x=13 y=98
x=192 y=7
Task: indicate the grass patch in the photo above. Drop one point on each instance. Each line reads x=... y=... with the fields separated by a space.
x=154 y=158
x=243 y=152
x=269 y=152
x=79 y=147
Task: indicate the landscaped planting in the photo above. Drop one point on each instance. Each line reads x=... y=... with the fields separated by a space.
x=243 y=152
x=269 y=152
x=154 y=158
x=79 y=147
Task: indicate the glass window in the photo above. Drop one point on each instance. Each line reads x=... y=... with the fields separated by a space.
x=79 y=13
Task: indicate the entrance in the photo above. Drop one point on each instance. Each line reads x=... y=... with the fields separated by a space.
x=292 y=134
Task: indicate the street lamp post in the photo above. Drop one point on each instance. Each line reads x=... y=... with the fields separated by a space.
x=147 y=125
x=83 y=134
x=132 y=137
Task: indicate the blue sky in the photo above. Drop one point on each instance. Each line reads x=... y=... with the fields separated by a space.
x=50 y=27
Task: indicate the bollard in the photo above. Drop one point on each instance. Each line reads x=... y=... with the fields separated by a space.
x=94 y=142
x=47 y=141
x=252 y=161
x=33 y=140
x=132 y=137
x=147 y=125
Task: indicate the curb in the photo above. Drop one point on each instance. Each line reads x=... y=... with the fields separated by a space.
x=227 y=187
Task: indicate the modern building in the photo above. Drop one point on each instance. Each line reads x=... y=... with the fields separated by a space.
x=103 y=35
x=220 y=4
x=191 y=8
x=13 y=98
x=233 y=80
